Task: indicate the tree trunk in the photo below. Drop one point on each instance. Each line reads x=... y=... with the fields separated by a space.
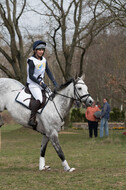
x=67 y=121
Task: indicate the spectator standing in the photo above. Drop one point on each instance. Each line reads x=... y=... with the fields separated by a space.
x=92 y=121
x=104 y=118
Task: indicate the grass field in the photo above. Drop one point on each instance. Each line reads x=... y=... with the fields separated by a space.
x=100 y=163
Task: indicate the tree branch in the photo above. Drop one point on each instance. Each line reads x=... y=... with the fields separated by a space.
x=6 y=71
x=6 y=56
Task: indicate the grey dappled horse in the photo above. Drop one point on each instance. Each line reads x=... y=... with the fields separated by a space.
x=51 y=119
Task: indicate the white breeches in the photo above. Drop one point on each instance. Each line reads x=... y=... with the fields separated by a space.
x=36 y=92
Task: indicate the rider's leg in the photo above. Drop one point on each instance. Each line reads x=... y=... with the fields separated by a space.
x=35 y=105
x=34 y=108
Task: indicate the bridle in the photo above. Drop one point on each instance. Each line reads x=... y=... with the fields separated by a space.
x=76 y=94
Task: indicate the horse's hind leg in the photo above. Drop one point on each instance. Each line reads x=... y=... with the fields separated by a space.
x=1 y=121
x=42 y=166
x=55 y=142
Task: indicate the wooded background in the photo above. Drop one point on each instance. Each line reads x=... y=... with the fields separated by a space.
x=83 y=37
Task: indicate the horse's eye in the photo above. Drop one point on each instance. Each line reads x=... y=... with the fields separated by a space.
x=80 y=88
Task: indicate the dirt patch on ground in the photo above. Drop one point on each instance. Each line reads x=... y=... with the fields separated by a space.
x=67 y=132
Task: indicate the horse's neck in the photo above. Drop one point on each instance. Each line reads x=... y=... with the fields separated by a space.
x=64 y=101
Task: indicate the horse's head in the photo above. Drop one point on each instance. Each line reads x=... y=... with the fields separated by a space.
x=81 y=92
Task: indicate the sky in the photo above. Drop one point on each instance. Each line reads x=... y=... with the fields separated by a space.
x=31 y=20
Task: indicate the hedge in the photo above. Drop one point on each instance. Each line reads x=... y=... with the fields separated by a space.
x=78 y=116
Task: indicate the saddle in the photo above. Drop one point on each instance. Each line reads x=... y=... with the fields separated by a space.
x=26 y=99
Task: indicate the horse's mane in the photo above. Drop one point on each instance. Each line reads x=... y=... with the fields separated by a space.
x=62 y=86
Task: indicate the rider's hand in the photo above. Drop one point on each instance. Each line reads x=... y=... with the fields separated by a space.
x=43 y=85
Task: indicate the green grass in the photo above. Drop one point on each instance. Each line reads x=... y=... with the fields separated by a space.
x=100 y=163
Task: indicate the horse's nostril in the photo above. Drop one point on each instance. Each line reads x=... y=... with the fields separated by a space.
x=90 y=102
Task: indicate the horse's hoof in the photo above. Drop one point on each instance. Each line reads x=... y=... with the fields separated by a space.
x=45 y=168
x=71 y=170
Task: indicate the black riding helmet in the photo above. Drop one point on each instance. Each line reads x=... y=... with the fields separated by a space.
x=39 y=45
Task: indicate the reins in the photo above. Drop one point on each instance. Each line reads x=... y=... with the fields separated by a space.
x=63 y=95
x=57 y=111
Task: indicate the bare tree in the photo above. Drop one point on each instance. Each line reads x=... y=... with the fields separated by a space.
x=106 y=71
x=107 y=63
x=72 y=26
x=117 y=9
x=10 y=13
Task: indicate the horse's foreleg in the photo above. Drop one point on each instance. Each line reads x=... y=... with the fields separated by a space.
x=42 y=166
x=55 y=142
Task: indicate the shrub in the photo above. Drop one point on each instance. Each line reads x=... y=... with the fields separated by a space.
x=77 y=115
x=117 y=115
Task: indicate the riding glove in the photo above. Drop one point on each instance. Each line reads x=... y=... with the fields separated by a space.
x=43 y=85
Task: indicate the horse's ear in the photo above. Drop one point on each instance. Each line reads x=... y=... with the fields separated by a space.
x=83 y=77
x=76 y=76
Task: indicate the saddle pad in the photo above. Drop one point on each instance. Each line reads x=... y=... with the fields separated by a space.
x=24 y=99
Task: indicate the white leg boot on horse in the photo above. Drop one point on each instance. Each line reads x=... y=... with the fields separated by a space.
x=42 y=165
x=35 y=105
x=67 y=167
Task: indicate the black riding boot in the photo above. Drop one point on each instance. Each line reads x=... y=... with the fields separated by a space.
x=34 y=108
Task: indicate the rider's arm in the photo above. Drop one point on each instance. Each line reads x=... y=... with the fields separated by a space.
x=50 y=75
x=31 y=72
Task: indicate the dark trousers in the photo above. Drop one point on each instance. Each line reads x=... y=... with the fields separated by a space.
x=93 y=126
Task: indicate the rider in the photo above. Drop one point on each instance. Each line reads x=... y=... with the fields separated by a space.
x=36 y=67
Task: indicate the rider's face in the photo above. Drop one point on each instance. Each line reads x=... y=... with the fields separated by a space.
x=39 y=53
